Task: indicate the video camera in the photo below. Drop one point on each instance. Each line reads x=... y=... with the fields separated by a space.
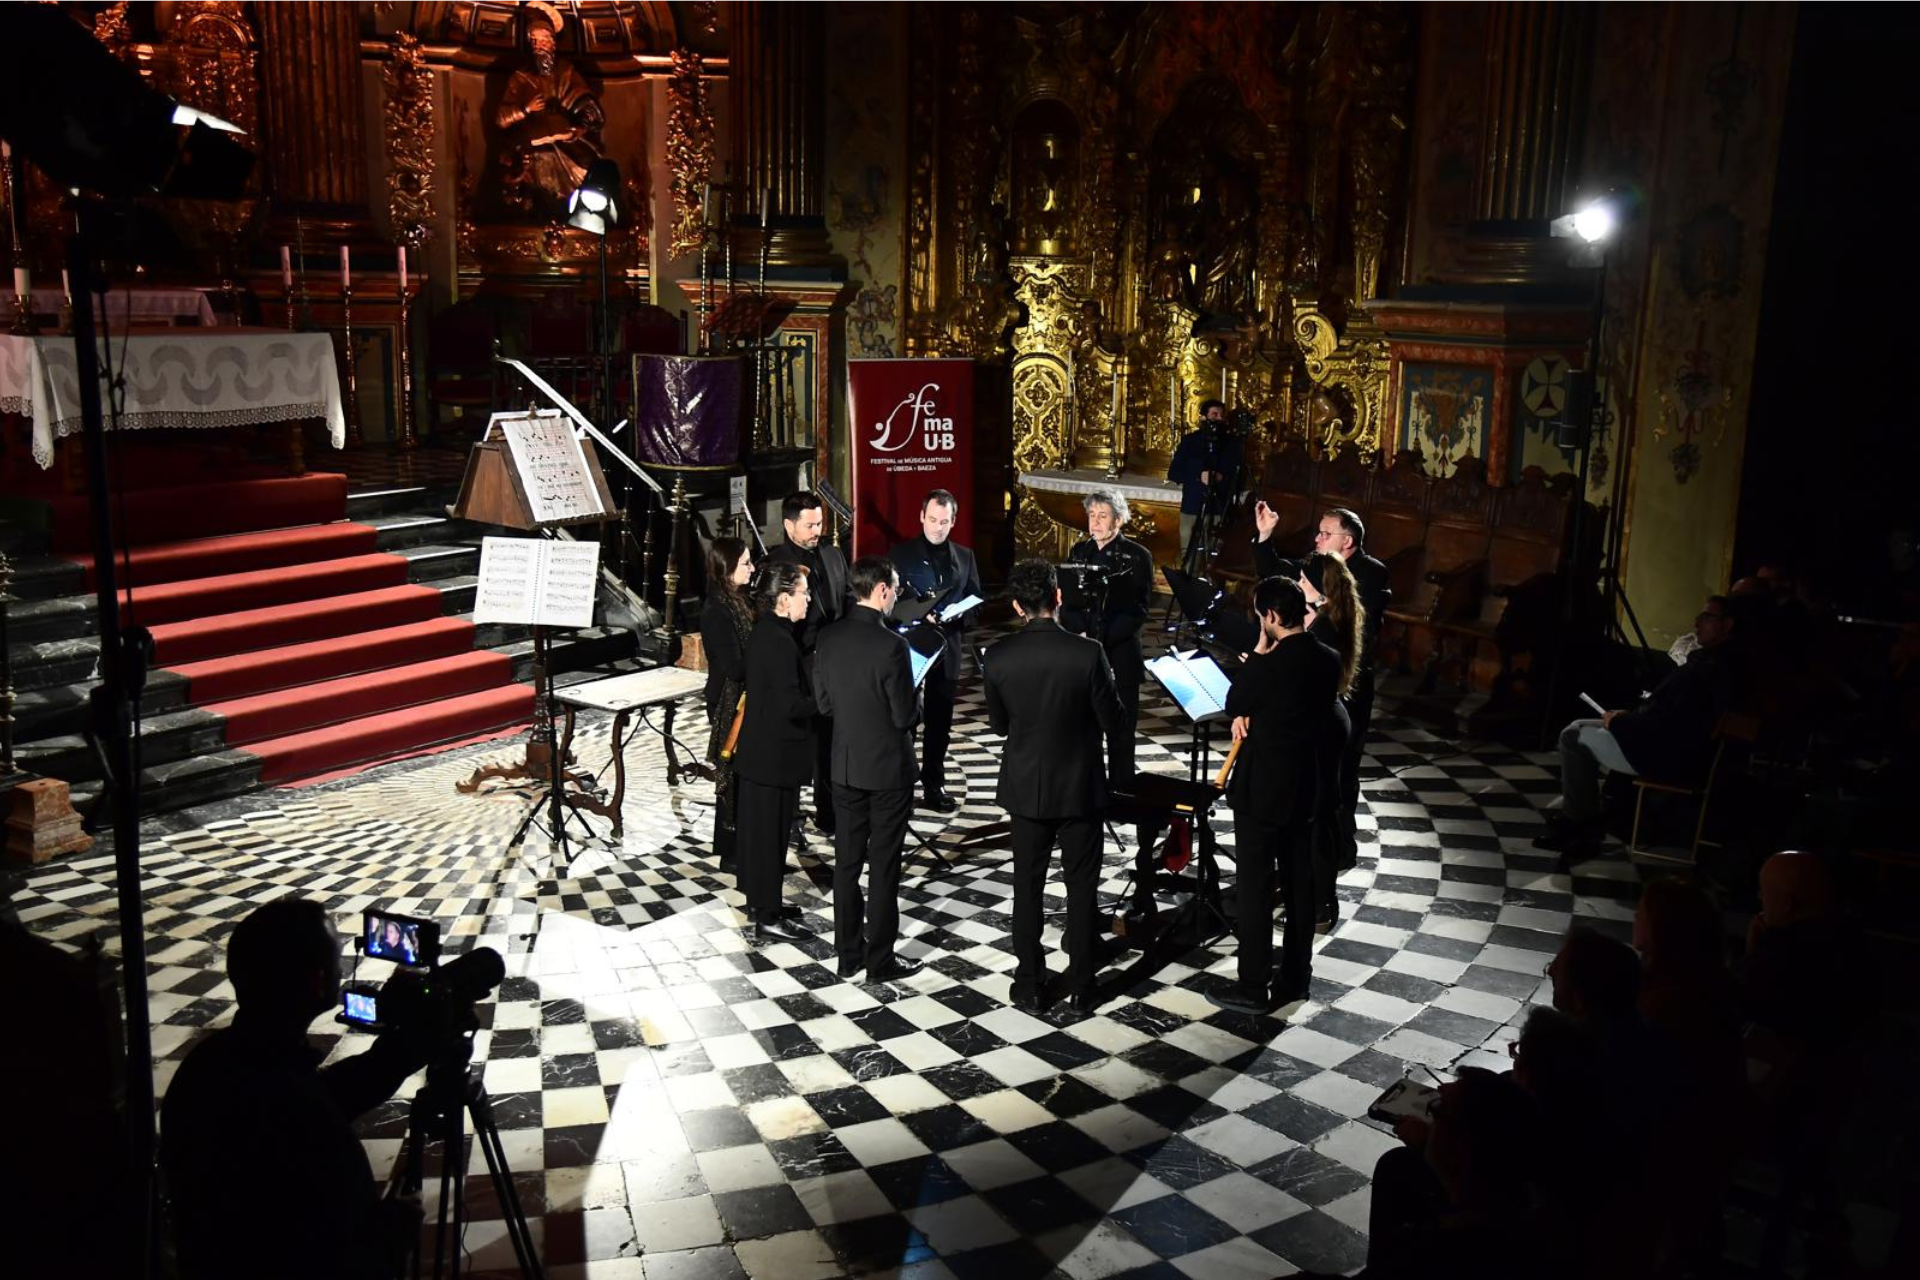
x=423 y=996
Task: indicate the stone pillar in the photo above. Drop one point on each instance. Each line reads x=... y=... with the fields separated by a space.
x=1538 y=58
x=315 y=146
x=774 y=68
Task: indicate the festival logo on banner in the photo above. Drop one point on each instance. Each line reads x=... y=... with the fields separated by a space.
x=912 y=431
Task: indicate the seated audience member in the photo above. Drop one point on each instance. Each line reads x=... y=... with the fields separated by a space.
x=1584 y=1152
x=1669 y=736
x=1803 y=979
x=1458 y=1201
x=263 y=1170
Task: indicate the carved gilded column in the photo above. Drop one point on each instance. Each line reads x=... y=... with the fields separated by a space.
x=315 y=147
x=1535 y=108
x=779 y=127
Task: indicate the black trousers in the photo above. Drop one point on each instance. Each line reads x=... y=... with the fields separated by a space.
x=1033 y=842
x=1120 y=766
x=936 y=715
x=823 y=816
x=1260 y=850
x=872 y=832
x=764 y=823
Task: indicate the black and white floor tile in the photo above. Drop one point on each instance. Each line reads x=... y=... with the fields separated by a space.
x=678 y=1103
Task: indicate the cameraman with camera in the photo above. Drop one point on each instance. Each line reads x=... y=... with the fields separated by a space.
x=1206 y=466
x=263 y=1169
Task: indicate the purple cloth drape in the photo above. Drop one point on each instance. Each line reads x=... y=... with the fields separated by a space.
x=688 y=409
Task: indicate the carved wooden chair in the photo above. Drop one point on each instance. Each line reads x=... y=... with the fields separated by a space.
x=1733 y=732
x=1452 y=572
x=1520 y=607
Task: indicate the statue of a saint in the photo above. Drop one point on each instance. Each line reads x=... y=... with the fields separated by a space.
x=551 y=121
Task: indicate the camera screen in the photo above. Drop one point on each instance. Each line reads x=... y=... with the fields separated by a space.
x=361 y=1006
x=401 y=939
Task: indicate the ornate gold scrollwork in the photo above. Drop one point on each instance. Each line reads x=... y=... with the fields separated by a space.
x=409 y=87
x=689 y=150
x=1354 y=365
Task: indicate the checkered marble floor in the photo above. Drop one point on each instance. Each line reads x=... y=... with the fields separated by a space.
x=677 y=1102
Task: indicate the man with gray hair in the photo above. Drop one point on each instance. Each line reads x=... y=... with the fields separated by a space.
x=1130 y=576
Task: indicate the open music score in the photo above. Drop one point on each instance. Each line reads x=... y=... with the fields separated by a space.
x=537 y=581
x=552 y=466
x=1195 y=681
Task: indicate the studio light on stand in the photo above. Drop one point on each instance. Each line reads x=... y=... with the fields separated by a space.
x=594 y=207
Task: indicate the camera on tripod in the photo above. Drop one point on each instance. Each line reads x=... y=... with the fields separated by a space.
x=422 y=994
x=1240 y=421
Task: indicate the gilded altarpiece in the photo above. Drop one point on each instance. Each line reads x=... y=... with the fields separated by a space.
x=1136 y=209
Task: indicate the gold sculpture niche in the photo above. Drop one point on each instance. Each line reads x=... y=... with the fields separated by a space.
x=1046 y=168
x=549 y=121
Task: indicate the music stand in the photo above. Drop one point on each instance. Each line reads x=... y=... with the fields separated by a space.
x=1213 y=617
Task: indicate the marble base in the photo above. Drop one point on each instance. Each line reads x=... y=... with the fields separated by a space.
x=41 y=823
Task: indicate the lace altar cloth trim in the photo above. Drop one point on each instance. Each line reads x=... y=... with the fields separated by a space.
x=179 y=378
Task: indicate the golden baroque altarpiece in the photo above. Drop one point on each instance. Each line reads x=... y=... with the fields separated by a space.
x=1134 y=211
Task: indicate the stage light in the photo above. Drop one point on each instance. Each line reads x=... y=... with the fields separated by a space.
x=594 y=206
x=186 y=115
x=1592 y=223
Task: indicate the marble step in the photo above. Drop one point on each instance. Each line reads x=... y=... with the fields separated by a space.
x=40 y=576
x=164 y=739
x=178 y=784
x=367 y=505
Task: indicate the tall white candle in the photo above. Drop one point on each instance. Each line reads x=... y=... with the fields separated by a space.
x=403 y=268
x=22 y=282
x=286 y=268
x=66 y=285
x=346 y=272
x=1223 y=384
x=1116 y=395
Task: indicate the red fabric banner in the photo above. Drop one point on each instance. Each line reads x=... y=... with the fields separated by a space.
x=911 y=426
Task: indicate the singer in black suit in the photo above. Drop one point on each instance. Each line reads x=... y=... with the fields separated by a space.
x=774 y=756
x=1341 y=533
x=932 y=565
x=1130 y=576
x=1282 y=703
x=863 y=682
x=1047 y=691
x=804 y=519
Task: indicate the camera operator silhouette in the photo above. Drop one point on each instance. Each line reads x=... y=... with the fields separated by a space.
x=262 y=1167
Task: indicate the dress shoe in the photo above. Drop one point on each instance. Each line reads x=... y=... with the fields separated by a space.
x=939 y=802
x=1240 y=998
x=777 y=930
x=848 y=968
x=1286 y=993
x=1028 y=1000
x=1084 y=1002
x=791 y=913
x=1580 y=840
x=894 y=970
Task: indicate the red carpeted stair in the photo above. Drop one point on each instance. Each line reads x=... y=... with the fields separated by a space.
x=288 y=623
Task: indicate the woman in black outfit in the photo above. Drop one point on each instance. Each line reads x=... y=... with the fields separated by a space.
x=726 y=620
x=1338 y=619
x=774 y=758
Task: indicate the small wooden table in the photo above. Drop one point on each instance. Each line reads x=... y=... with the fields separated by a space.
x=623 y=695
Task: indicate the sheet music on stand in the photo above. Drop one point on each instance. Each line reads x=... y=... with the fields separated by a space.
x=1195 y=681
x=535 y=581
x=552 y=466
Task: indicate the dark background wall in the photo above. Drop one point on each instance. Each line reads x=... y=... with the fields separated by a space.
x=1833 y=451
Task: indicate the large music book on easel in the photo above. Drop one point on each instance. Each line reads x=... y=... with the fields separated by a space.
x=1195 y=681
x=531 y=471
x=536 y=582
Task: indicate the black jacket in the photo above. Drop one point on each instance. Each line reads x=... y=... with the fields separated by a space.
x=1670 y=735
x=1289 y=692
x=776 y=742
x=1050 y=693
x=828 y=599
x=723 y=639
x=1369 y=574
x=863 y=680
x=265 y=1172
x=1129 y=593
x=1208 y=449
x=915 y=560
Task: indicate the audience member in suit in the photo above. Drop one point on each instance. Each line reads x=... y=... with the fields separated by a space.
x=1282 y=702
x=775 y=755
x=1667 y=736
x=1129 y=593
x=1050 y=693
x=932 y=564
x=863 y=683
x=1339 y=621
x=804 y=519
x=1342 y=533
x=726 y=620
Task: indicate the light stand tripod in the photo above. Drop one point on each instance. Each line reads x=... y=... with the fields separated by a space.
x=436 y=1116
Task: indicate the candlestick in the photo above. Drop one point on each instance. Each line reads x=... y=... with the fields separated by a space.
x=407 y=440
x=353 y=367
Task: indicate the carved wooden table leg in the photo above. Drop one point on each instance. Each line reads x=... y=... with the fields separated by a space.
x=621 y=733
x=673 y=758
